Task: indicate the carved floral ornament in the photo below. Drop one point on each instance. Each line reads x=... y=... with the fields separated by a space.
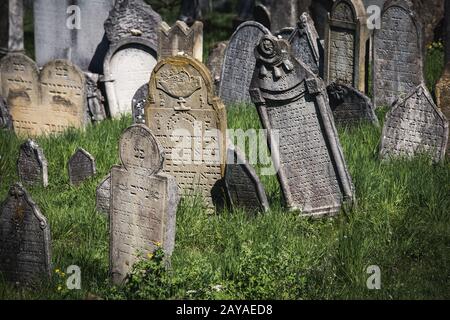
x=274 y=55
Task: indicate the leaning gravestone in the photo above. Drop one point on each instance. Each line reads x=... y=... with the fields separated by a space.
x=244 y=189
x=49 y=101
x=415 y=125
x=71 y=30
x=132 y=29
x=138 y=104
x=345 y=44
x=11 y=27
x=292 y=102
x=181 y=38
x=32 y=165
x=305 y=44
x=239 y=62
x=182 y=107
x=6 y=122
x=397 y=54
x=81 y=166
x=25 y=244
x=143 y=202
x=350 y=106
x=103 y=195
x=215 y=62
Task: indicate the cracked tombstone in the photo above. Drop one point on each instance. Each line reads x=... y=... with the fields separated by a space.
x=190 y=122
x=292 y=103
x=239 y=62
x=397 y=54
x=415 y=125
x=6 y=122
x=143 y=202
x=81 y=167
x=103 y=195
x=32 y=164
x=350 y=106
x=181 y=39
x=25 y=239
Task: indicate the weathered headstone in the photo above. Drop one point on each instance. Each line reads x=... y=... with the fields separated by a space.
x=181 y=38
x=138 y=104
x=132 y=29
x=48 y=101
x=11 y=27
x=190 y=122
x=292 y=102
x=6 y=122
x=32 y=165
x=397 y=53
x=244 y=189
x=305 y=44
x=239 y=62
x=345 y=44
x=350 y=106
x=81 y=166
x=215 y=62
x=71 y=30
x=143 y=204
x=95 y=98
x=103 y=195
x=25 y=243
x=415 y=125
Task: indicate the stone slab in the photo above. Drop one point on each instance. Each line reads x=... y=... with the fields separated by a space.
x=81 y=166
x=32 y=165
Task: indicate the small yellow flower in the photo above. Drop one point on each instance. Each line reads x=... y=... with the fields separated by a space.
x=57 y=271
x=149 y=255
x=59 y=288
x=158 y=244
x=63 y=274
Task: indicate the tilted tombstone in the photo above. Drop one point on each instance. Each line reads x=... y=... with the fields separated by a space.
x=307 y=154
x=215 y=62
x=132 y=29
x=397 y=54
x=143 y=202
x=71 y=30
x=25 y=239
x=415 y=125
x=32 y=165
x=190 y=122
x=244 y=189
x=103 y=195
x=345 y=44
x=239 y=62
x=181 y=38
x=49 y=101
x=138 y=104
x=350 y=106
x=11 y=27
x=81 y=166
x=6 y=122
x=305 y=44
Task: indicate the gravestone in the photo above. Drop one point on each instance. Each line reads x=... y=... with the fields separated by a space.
x=305 y=44
x=143 y=204
x=6 y=122
x=71 y=30
x=280 y=13
x=103 y=195
x=95 y=98
x=132 y=29
x=138 y=104
x=415 y=125
x=190 y=122
x=25 y=243
x=49 y=101
x=350 y=106
x=32 y=165
x=11 y=27
x=239 y=62
x=81 y=166
x=181 y=38
x=244 y=189
x=345 y=44
x=397 y=53
x=215 y=62
x=303 y=140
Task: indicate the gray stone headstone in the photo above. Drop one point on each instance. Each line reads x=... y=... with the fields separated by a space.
x=71 y=30
x=415 y=125
x=32 y=165
x=143 y=204
x=81 y=166
x=138 y=104
x=303 y=140
x=397 y=53
x=350 y=106
x=103 y=195
x=181 y=38
x=244 y=189
x=6 y=122
x=95 y=99
x=215 y=62
x=11 y=27
x=239 y=63
x=25 y=243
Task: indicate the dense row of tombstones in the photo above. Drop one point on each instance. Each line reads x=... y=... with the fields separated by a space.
x=301 y=86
